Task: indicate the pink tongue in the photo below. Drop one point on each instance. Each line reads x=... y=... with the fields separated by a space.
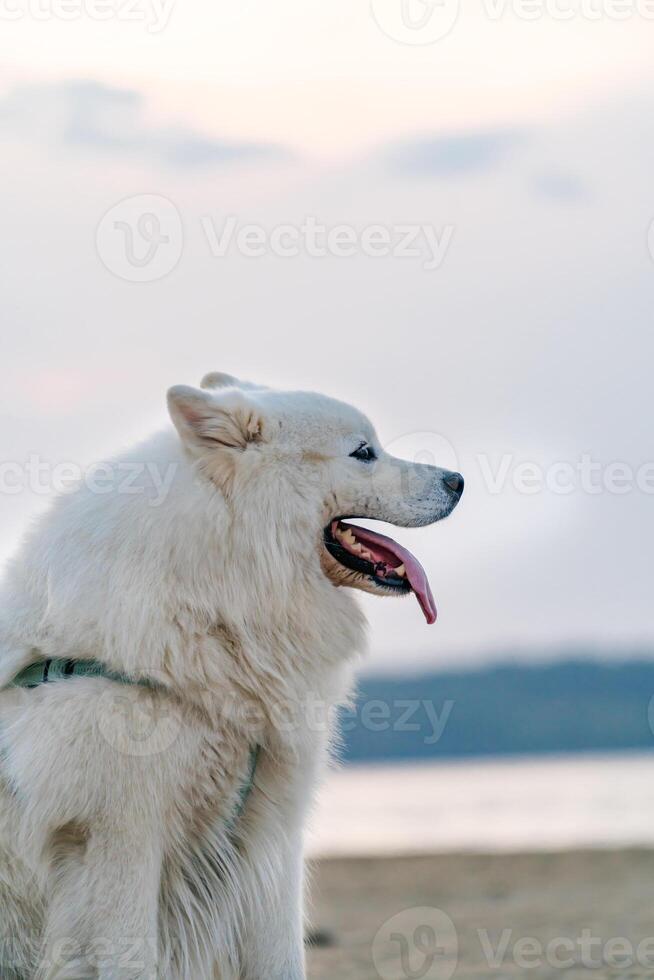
x=415 y=573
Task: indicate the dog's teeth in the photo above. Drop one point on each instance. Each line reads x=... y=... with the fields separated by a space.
x=400 y=570
x=348 y=538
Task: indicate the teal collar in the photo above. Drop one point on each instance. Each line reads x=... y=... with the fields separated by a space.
x=56 y=669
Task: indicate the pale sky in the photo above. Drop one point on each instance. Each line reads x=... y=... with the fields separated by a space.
x=526 y=147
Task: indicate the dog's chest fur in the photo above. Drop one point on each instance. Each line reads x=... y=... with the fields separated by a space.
x=251 y=649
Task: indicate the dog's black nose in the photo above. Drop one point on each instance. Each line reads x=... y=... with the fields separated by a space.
x=455 y=482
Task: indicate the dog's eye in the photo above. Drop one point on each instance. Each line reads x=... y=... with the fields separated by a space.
x=365 y=453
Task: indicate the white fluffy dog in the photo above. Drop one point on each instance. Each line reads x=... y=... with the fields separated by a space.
x=152 y=808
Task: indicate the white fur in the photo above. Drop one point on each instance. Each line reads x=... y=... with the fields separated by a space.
x=119 y=851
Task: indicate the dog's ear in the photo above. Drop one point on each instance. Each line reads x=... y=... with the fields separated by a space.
x=214 y=421
x=216 y=379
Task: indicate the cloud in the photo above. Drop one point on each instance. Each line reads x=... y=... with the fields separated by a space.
x=89 y=115
x=562 y=187
x=453 y=155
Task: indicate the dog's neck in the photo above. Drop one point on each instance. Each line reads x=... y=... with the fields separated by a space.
x=182 y=592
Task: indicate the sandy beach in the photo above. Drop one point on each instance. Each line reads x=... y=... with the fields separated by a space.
x=572 y=913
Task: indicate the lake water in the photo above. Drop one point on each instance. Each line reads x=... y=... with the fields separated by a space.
x=540 y=803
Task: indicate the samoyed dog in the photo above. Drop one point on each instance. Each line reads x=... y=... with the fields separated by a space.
x=174 y=637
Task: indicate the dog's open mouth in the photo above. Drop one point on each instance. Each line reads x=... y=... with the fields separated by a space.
x=383 y=561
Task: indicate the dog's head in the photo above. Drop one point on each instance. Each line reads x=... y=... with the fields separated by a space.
x=293 y=466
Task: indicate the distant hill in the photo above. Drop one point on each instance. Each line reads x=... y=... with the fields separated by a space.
x=573 y=706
